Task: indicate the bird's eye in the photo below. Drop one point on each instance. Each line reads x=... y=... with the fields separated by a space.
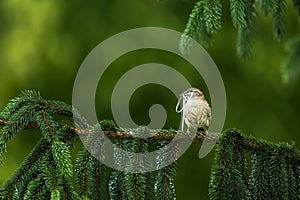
x=199 y=94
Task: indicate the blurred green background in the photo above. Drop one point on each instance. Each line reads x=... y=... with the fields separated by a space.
x=42 y=44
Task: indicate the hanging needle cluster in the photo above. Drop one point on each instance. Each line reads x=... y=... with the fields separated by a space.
x=205 y=21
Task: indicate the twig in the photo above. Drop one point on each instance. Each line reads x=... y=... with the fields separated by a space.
x=168 y=136
x=161 y=136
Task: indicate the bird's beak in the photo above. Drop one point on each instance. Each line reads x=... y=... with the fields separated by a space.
x=185 y=93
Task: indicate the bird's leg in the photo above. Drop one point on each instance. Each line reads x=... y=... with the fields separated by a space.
x=188 y=131
x=206 y=132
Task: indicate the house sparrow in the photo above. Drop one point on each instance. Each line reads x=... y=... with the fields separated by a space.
x=196 y=110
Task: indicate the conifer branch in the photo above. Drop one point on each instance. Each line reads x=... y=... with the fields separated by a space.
x=269 y=177
x=81 y=172
x=205 y=20
x=112 y=132
x=46 y=171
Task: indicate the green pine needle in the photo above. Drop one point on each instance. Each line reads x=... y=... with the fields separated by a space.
x=62 y=157
x=259 y=179
x=55 y=195
x=212 y=13
x=97 y=179
x=238 y=9
x=116 y=186
x=196 y=27
x=35 y=189
x=278 y=176
x=290 y=67
x=278 y=19
x=267 y=6
x=2 y=149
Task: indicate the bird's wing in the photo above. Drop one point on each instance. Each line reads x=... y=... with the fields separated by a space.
x=203 y=114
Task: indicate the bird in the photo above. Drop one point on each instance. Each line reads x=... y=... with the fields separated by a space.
x=196 y=111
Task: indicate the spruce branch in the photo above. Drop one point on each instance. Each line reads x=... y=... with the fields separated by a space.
x=245 y=34
x=228 y=174
x=212 y=13
x=55 y=195
x=116 y=186
x=196 y=28
x=62 y=157
x=164 y=186
x=26 y=172
x=293 y=181
x=36 y=189
x=46 y=171
x=81 y=168
x=278 y=176
x=167 y=135
x=238 y=10
x=290 y=67
x=205 y=20
x=269 y=177
x=278 y=19
x=267 y=6
x=135 y=183
x=297 y=5
x=68 y=191
x=97 y=180
x=30 y=97
x=259 y=178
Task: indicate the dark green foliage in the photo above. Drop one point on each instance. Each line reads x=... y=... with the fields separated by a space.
x=164 y=182
x=62 y=157
x=67 y=191
x=117 y=178
x=205 y=20
x=28 y=97
x=28 y=170
x=267 y=6
x=245 y=37
x=46 y=173
x=81 y=172
x=278 y=19
x=238 y=9
x=273 y=171
x=135 y=183
x=260 y=168
x=116 y=186
x=195 y=28
x=297 y=5
x=55 y=195
x=244 y=42
x=278 y=176
x=43 y=171
x=229 y=179
x=131 y=185
x=290 y=67
x=212 y=13
x=36 y=188
x=91 y=176
x=293 y=181
x=2 y=149
x=149 y=189
x=97 y=183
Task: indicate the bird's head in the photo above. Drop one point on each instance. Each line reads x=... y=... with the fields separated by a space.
x=193 y=93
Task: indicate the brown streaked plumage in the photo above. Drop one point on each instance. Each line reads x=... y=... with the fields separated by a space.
x=196 y=111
